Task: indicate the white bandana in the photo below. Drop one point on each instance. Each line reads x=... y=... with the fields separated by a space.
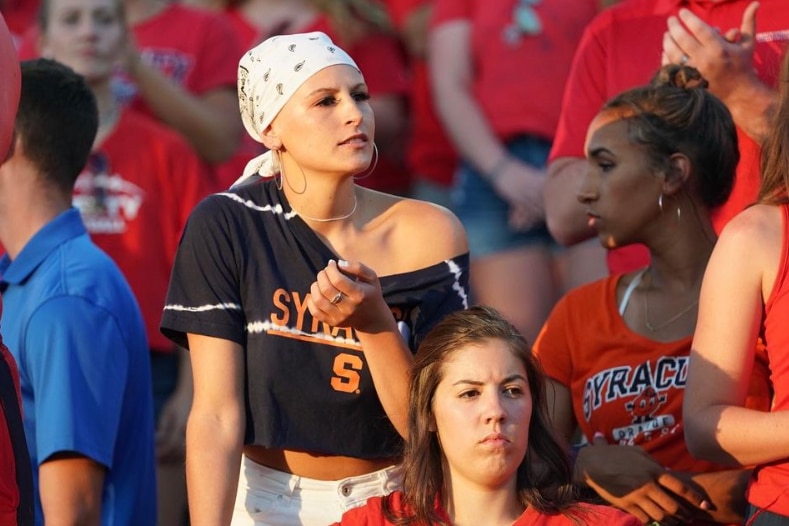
x=268 y=76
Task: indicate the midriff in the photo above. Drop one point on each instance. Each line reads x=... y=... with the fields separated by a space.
x=318 y=467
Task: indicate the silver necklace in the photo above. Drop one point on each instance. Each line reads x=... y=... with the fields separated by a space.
x=669 y=321
x=330 y=219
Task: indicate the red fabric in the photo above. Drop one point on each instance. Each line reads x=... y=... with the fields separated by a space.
x=9 y=89
x=148 y=180
x=621 y=49
x=9 y=491
x=527 y=78
x=371 y=514
x=19 y=15
x=769 y=488
x=382 y=62
x=430 y=153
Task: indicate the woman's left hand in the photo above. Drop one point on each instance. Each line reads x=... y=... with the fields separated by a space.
x=348 y=294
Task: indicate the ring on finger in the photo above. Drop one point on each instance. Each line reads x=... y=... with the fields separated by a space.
x=336 y=299
x=682 y=61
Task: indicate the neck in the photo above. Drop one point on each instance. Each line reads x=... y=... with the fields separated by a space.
x=26 y=208
x=109 y=111
x=469 y=505
x=320 y=199
x=679 y=252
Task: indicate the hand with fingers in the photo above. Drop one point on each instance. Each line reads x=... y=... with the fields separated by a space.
x=630 y=479
x=521 y=185
x=724 y=59
x=348 y=294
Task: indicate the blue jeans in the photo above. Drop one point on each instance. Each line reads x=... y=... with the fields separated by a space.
x=758 y=517
x=485 y=214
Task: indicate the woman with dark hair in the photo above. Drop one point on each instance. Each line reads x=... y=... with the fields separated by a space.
x=616 y=351
x=744 y=297
x=480 y=449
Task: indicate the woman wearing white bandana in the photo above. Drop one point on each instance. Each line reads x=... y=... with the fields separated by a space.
x=302 y=298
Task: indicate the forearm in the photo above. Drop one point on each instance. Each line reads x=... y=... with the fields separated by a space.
x=213 y=454
x=731 y=435
x=70 y=487
x=752 y=109
x=565 y=216
x=468 y=129
x=389 y=360
x=212 y=127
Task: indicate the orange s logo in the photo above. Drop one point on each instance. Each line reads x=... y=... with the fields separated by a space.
x=346 y=367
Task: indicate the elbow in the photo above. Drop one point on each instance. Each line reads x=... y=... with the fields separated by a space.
x=702 y=441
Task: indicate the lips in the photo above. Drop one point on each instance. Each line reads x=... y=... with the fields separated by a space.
x=358 y=138
x=495 y=439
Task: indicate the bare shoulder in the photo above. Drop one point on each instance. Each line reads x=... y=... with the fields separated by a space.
x=749 y=249
x=426 y=232
x=757 y=229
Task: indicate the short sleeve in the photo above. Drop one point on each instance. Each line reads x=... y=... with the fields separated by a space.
x=78 y=365
x=217 y=59
x=449 y=10
x=584 y=94
x=204 y=293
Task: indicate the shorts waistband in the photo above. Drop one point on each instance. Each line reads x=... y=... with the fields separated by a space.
x=288 y=483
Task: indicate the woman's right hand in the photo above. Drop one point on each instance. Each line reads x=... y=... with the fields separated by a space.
x=630 y=479
x=348 y=294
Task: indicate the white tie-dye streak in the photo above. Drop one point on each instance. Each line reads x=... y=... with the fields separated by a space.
x=257 y=327
x=456 y=271
x=275 y=209
x=203 y=308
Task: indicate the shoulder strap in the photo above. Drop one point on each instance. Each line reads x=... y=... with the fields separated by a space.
x=630 y=288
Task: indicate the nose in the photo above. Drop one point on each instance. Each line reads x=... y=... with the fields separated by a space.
x=494 y=410
x=587 y=190
x=353 y=111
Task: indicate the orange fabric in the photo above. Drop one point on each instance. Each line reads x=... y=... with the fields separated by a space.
x=622 y=384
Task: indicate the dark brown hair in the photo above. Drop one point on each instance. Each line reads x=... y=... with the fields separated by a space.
x=544 y=475
x=775 y=150
x=676 y=113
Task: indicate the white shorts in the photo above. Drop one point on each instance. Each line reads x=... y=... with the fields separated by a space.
x=267 y=497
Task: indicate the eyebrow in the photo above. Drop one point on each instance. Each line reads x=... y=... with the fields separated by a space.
x=335 y=90
x=506 y=380
x=597 y=151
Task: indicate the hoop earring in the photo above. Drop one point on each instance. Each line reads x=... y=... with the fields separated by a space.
x=287 y=179
x=660 y=203
x=374 y=165
x=679 y=214
x=278 y=157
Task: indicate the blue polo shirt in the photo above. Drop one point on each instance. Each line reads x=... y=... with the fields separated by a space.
x=76 y=332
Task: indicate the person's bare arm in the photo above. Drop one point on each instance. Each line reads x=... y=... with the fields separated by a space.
x=564 y=215
x=726 y=61
x=451 y=75
x=210 y=121
x=215 y=430
x=70 y=486
x=739 y=275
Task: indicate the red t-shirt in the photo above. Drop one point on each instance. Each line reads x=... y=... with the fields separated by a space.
x=519 y=86
x=135 y=195
x=769 y=487
x=372 y=514
x=621 y=49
